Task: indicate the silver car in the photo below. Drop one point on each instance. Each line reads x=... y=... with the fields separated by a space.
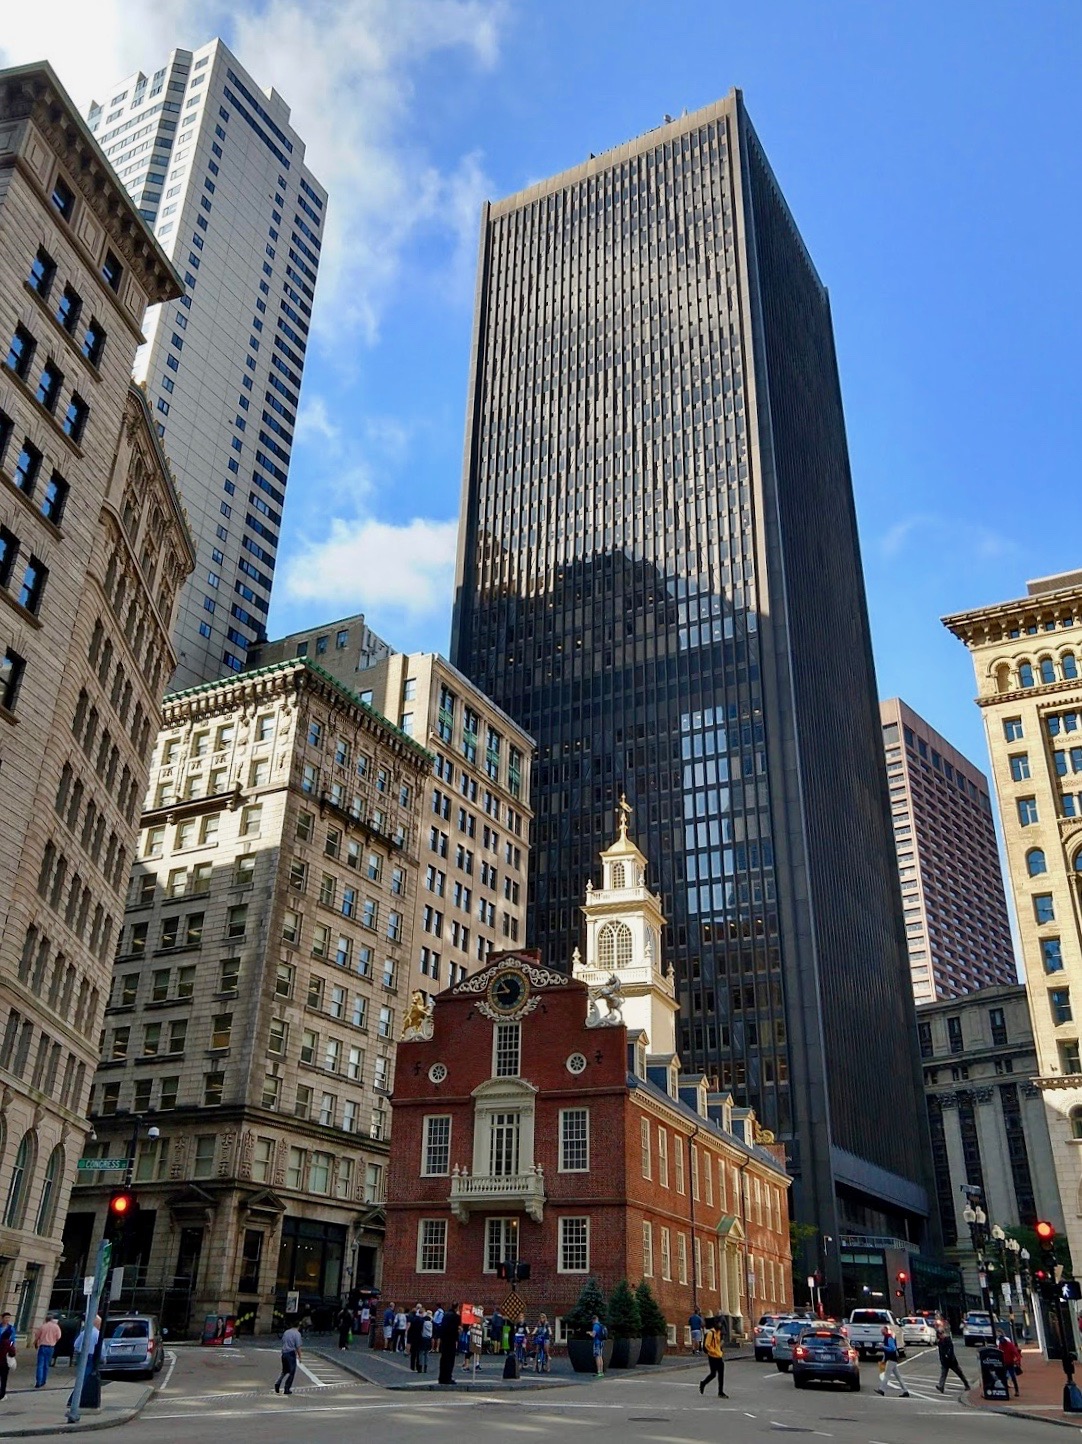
x=786 y=1337
x=132 y=1345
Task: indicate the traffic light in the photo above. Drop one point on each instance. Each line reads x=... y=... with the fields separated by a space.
x=903 y=1278
x=123 y=1206
x=1045 y=1232
x=1046 y=1237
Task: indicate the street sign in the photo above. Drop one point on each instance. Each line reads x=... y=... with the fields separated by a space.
x=103 y=1165
x=293 y=1301
x=88 y=1285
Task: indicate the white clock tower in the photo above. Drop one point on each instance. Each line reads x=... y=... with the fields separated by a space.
x=623 y=936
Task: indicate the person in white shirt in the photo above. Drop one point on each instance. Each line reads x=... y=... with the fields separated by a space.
x=291 y=1356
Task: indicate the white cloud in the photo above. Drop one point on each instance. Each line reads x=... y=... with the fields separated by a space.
x=375 y=567
x=314 y=420
x=347 y=69
x=933 y=532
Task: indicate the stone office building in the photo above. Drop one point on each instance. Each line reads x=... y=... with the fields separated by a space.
x=475 y=849
x=93 y=550
x=985 y=1115
x=542 y=1116
x=258 y=992
x=1026 y=654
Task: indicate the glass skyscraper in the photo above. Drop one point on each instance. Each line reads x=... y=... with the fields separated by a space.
x=659 y=578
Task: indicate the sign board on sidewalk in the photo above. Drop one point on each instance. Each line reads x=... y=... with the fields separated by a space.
x=293 y=1301
x=103 y=1165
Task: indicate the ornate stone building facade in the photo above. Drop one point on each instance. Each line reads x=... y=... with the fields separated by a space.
x=543 y=1117
x=93 y=549
x=985 y=1115
x=475 y=849
x=258 y=992
x=1026 y=655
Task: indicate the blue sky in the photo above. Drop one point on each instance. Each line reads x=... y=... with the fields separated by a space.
x=929 y=154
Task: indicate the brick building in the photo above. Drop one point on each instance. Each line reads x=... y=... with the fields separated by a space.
x=543 y=1116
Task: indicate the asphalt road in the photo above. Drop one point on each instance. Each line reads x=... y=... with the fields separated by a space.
x=211 y=1394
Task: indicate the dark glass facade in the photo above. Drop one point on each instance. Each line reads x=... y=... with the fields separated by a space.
x=659 y=577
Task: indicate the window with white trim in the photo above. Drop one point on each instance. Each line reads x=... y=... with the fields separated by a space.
x=504 y=1139
x=644 y=1132
x=506 y=1050
x=708 y=1177
x=678 y=1161
x=662 y=1157
x=501 y=1242
x=647 y=1250
x=666 y=1255
x=574 y=1140
x=694 y=1172
x=432 y=1246
x=436 y=1158
x=682 y=1257
x=574 y=1255
x=711 y=1266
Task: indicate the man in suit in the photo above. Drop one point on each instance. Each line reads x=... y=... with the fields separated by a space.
x=450 y=1327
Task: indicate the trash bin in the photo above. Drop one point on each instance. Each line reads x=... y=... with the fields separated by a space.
x=993 y=1374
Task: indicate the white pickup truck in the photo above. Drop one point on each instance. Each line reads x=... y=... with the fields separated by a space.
x=866 y=1331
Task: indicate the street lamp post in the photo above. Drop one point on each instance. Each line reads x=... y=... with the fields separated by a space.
x=979 y=1233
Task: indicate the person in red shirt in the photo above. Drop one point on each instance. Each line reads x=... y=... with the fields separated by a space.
x=1012 y=1359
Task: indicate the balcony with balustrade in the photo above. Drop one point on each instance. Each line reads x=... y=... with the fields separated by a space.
x=473 y=1192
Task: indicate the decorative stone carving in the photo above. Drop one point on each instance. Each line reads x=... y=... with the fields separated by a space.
x=417 y=1024
x=610 y=992
x=225 y=1158
x=247 y=1144
x=280 y=1164
x=178 y=1166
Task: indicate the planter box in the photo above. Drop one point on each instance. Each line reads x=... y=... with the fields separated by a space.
x=580 y=1352
x=625 y=1353
x=653 y=1349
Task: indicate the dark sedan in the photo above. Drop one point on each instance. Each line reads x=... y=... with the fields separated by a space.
x=824 y=1353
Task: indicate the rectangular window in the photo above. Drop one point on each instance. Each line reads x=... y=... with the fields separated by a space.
x=644 y=1135
x=1043 y=908
x=75 y=418
x=998 y=1022
x=574 y=1140
x=432 y=1246
x=204 y=1156
x=436 y=1159
x=112 y=271
x=1069 y=1056
x=1052 y=955
x=666 y=1255
x=682 y=1257
x=574 y=1246
x=12 y=667
x=662 y=1157
x=678 y=1161
x=648 y=1250
x=1012 y=729
x=20 y=352
x=1059 y=1000
x=506 y=1050
x=501 y=1242
x=1027 y=811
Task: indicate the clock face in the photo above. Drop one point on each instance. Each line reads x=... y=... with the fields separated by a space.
x=508 y=992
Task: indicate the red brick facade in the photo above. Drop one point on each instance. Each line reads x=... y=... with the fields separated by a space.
x=565 y=1143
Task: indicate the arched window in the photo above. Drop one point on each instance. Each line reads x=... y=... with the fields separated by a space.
x=16 y=1199
x=1070 y=667
x=1025 y=674
x=1048 y=671
x=1078 y=860
x=1036 y=862
x=1003 y=678
x=614 y=946
x=619 y=875
x=54 y=1170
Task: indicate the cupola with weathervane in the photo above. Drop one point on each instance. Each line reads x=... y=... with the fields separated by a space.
x=624 y=925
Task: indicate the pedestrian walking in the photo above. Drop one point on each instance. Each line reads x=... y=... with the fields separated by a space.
x=427 y=1330
x=291 y=1357
x=388 y=1325
x=450 y=1325
x=344 y=1320
x=695 y=1324
x=7 y=1350
x=1012 y=1360
x=495 y=1331
x=715 y=1357
x=437 y=1321
x=889 y=1373
x=46 y=1338
x=948 y=1361
x=398 y=1336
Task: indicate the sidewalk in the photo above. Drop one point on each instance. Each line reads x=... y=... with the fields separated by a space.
x=1040 y=1391
x=26 y=1411
x=392 y=1371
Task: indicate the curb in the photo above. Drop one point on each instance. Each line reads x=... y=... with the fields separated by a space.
x=463 y=1385
x=1019 y=1413
x=85 y=1425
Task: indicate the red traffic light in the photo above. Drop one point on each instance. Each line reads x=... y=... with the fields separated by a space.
x=903 y=1277
x=1044 y=1231
x=1040 y=1275
x=122 y=1205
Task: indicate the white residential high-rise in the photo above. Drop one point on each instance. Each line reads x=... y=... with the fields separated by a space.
x=215 y=167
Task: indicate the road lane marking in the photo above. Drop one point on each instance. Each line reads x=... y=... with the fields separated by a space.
x=171 y=1356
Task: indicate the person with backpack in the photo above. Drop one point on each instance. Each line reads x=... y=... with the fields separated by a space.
x=599 y=1334
x=1012 y=1360
x=948 y=1361
x=890 y=1372
x=715 y=1358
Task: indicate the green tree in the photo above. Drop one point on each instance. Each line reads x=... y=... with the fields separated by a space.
x=651 y=1320
x=579 y=1320
x=624 y=1320
x=800 y=1235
